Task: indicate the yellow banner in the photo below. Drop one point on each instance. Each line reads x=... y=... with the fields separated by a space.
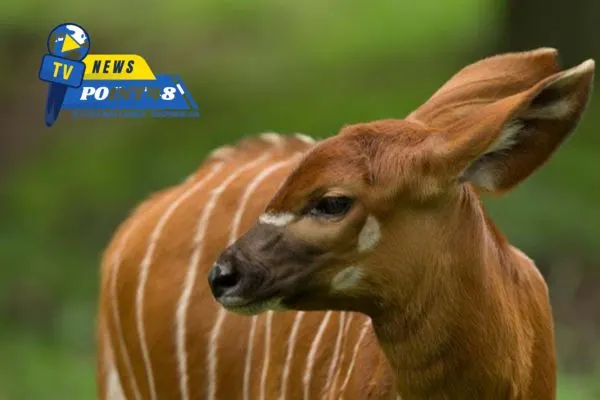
x=117 y=66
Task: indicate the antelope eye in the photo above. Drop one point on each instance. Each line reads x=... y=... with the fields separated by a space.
x=332 y=206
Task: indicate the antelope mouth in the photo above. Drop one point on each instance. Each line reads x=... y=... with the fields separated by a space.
x=246 y=307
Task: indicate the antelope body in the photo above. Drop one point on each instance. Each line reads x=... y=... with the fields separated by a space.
x=364 y=265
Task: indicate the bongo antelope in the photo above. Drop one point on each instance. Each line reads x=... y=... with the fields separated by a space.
x=359 y=267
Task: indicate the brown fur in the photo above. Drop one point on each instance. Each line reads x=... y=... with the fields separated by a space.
x=167 y=272
x=457 y=312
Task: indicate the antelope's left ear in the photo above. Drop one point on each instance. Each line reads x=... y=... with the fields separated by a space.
x=506 y=141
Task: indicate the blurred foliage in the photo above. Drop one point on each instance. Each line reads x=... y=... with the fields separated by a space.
x=254 y=66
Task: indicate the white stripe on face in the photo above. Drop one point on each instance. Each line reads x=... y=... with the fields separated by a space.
x=280 y=220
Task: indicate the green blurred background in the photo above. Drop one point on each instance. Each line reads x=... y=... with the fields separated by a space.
x=254 y=66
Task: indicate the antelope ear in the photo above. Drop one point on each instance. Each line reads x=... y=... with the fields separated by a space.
x=485 y=82
x=502 y=143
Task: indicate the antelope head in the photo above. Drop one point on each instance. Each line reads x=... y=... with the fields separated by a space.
x=385 y=207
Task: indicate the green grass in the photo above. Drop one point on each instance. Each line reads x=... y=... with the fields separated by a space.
x=34 y=370
x=575 y=387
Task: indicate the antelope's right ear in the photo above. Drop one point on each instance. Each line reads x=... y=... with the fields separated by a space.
x=484 y=82
x=501 y=143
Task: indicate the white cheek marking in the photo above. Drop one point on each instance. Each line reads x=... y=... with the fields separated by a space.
x=346 y=278
x=370 y=235
x=281 y=219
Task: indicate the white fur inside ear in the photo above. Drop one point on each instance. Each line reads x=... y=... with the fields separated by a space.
x=369 y=235
x=482 y=173
x=346 y=279
x=281 y=219
x=508 y=136
x=561 y=107
x=556 y=110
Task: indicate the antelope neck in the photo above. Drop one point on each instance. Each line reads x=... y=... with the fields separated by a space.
x=435 y=341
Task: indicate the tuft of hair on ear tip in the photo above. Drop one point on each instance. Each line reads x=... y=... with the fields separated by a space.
x=548 y=53
x=586 y=67
x=588 y=64
x=545 y=50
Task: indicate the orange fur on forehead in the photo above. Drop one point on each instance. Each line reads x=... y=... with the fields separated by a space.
x=332 y=161
x=358 y=156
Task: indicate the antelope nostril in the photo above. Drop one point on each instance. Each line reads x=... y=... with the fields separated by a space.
x=227 y=281
x=222 y=277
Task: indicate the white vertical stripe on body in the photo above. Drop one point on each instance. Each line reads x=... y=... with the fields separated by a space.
x=248 y=361
x=336 y=353
x=290 y=354
x=116 y=266
x=267 y=355
x=338 y=372
x=306 y=380
x=237 y=220
x=145 y=269
x=114 y=391
x=363 y=332
x=180 y=313
x=198 y=245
